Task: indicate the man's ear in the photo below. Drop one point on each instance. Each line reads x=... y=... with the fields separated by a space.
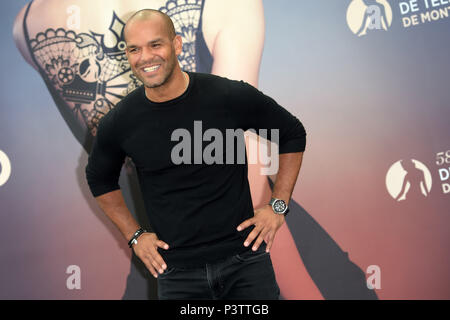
x=178 y=44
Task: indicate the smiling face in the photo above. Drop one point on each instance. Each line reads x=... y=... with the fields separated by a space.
x=152 y=50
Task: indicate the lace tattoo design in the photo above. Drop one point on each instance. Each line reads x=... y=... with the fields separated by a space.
x=92 y=77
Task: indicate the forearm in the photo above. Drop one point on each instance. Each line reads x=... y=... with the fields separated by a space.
x=288 y=170
x=114 y=206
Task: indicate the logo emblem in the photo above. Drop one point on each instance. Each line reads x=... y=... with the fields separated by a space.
x=408 y=179
x=5 y=168
x=364 y=16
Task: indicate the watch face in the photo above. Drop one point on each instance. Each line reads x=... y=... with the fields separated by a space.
x=279 y=206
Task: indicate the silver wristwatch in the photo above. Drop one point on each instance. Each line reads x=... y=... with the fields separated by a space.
x=279 y=206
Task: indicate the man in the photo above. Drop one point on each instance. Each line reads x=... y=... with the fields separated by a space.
x=200 y=213
x=86 y=86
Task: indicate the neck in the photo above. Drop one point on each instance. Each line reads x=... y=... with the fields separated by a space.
x=173 y=88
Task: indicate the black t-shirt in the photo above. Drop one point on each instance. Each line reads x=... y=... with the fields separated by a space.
x=195 y=196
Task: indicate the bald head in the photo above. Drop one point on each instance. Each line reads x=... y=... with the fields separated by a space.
x=152 y=48
x=150 y=14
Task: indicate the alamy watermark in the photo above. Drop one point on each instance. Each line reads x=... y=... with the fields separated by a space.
x=74 y=17
x=373 y=281
x=73 y=281
x=190 y=149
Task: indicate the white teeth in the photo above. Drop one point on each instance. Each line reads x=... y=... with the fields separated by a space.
x=150 y=69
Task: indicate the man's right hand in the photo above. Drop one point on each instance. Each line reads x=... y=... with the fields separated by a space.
x=146 y=250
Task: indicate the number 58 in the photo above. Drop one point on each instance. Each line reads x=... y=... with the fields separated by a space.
x=442 y=157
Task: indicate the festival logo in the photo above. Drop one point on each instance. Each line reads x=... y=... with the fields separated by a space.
x=5 y=168
x=364 y=16
x=408 y=179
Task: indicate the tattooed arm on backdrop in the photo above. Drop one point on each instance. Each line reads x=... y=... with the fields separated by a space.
x=78 y=50
x=77 y=47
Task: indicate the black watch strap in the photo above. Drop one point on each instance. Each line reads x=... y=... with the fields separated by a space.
x=273 y=200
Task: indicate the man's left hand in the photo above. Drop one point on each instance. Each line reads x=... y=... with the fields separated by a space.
x=266 y=224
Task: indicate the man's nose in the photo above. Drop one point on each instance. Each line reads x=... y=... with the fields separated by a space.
x=147 y=55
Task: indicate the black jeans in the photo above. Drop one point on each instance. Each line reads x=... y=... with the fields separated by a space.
x=245 y=276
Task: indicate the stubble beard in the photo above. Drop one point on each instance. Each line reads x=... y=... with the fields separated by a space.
x=169 y=65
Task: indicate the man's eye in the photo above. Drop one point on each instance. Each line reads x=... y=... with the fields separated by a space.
x=133 y=50
x=156 y=45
